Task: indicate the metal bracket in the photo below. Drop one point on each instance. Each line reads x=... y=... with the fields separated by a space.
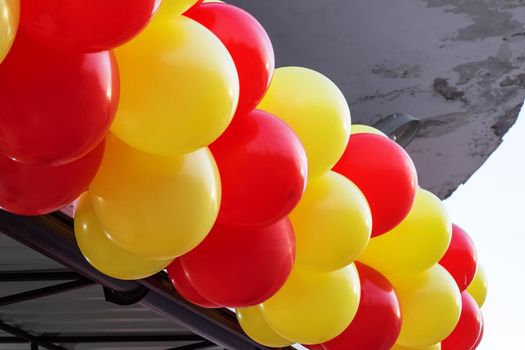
x=125 y=298
x=400 y=127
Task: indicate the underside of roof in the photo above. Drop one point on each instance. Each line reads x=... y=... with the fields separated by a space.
x=458 y=65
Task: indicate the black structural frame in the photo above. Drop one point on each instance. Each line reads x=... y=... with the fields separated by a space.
x=52 y=235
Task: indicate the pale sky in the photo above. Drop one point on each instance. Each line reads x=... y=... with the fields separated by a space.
x=491 y=207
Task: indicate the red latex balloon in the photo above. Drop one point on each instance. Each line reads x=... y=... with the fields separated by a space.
x=240 y=268
x=263 y=170
x=85 y=25
x=314 y=347
x=481 y=333
x=460 y=259
x=55 y=106
x=197 y=4
x=385 y=174
x=34 y=189
x=468 y=330
x=183 y=286
x=377 y=323
x=248 y=44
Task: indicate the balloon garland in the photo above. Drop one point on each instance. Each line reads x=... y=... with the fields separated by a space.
x=242 y=180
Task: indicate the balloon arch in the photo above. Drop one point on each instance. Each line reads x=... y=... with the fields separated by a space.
x=189 y=151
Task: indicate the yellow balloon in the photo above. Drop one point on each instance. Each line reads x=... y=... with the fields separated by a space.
x=172 y=8
x=153 y=206
x=179 y=88
x=417 y=243
x=366 y=129
x=9 y=14
x=315 y=109
x=478 y=287
x=430 y=306
x=313 y=306
x=103 y=254
x=431 y=347
x=332 y=223
x=254 y=325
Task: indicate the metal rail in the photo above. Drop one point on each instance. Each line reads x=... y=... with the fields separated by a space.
x=52 y=236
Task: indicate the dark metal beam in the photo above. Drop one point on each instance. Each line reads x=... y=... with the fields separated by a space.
x=53 y=237
x=43 y=292
x=88 y=339
x=196 y=346
x=29 y=338
x=38 y=276
x=11 y=340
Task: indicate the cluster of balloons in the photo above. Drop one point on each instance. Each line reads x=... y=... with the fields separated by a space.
x=189 y=151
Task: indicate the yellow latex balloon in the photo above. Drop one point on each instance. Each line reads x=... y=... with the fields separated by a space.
x=430 y=306
x=172 y=8
x=9 y=14
x=478 y=287
x=315 y=109
x=431 y=347
x=254 y=325
x=366 y=129
x=179 y=88
x=417 y=243
x=313 y=306
x=153 y=206
x=103 y=254
x=332 y=223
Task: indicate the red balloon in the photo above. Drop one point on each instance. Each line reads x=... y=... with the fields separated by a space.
x=385 y=174
x=35 y=189
x=240 y=268
x=248 y=44
x=481 y=333
x=377 y=323
x=183 y=286
x=55 y=106
x=197 y=4
x=468 y=330
x=85 y=25
x=263 y=170
x=460 y=260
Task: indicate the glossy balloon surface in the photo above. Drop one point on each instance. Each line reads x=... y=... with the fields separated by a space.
x=430 y=307
x=241 y=267
x=10 y=10
x=153 y=206
x=385 y=173
x=377 y=323
x=478 y=287
x=56 y=107
x=253 y=323
x=332 y=223
x=468 y=329
x=105 y=255
x=417 y=243
x=85 y=25
x=313 y=306
x=315 y=109
x=248 y=44
x=460 y=260
x=263 y=170
x=179 y=88
x=36 y=189
x=179 y=279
